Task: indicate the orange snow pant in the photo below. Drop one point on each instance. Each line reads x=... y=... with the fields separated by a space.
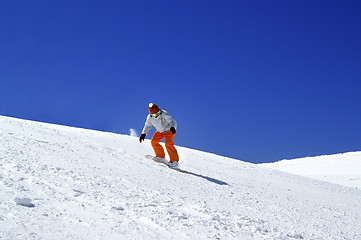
x=158 y=149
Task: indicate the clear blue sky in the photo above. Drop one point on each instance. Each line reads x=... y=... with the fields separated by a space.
x=259 y=81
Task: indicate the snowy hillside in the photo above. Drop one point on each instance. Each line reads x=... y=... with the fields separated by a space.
x=343 y=169
x=59 y=182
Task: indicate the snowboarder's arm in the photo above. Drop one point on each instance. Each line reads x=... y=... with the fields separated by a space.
x=172 y=122
x=148 y=125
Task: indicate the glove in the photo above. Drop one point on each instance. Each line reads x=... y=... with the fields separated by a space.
x=142 y=137
x=172 y=129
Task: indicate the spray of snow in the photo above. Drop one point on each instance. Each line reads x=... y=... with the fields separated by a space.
x=133 y=133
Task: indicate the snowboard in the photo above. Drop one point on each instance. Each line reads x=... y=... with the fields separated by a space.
x=165 y=164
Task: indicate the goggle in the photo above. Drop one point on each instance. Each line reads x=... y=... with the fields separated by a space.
x=156 y=114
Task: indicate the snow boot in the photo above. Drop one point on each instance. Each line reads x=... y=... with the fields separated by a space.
x=174 y=164
x=158 y=159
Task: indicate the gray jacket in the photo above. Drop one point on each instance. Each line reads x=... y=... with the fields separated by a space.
x=162 y=123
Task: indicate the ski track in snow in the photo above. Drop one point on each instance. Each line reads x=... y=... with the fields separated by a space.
x=59 y=182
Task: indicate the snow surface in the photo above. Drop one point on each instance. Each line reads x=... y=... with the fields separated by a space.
x=343 y=168
x=59 y=182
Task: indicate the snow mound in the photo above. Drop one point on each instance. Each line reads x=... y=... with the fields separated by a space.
x=59 y=182
x=343 y=168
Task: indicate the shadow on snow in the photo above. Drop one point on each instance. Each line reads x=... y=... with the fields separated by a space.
x=213 y=180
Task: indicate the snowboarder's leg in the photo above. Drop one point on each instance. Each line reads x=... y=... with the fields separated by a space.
x=172 y=151
x=158 y=149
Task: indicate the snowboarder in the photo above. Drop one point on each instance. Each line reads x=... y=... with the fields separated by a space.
x=166 y=128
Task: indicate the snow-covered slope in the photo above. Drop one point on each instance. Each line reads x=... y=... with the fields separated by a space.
x=343 y=168
x=59 y=182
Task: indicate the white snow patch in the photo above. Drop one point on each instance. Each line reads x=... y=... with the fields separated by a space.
x=84 y=184
x=343 y=168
